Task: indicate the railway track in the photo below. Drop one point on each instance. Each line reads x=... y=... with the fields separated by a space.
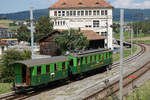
x=113 y=88
x=13 y=96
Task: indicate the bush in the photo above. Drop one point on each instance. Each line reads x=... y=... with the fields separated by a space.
x=8 y=58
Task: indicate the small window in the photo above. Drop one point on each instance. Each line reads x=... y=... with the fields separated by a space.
x=98 y=13
x=97 y=3
x=47 y=68
x=102 y=12
x=79 y=12
x=74 y=13
x=67 y=13
x=63 y=13
x=63 y=65
x=38 y=70
x=55 y=13
x=90 y=12
x=59 y=13
x=80 y=3
x=86 y=13
x=106 y=12
x=82 y=13
x=70 y=13
x=94 y=12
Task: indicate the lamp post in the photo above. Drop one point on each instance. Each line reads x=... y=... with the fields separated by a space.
x=121 y=52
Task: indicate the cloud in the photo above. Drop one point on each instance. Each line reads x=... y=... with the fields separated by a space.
x=131 y=4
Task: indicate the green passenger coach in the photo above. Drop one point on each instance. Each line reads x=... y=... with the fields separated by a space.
x=40 y=71
x=89 y=60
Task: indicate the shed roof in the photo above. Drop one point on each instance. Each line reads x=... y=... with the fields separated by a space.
x=35 y=62
x=91 y=35
x=81 y=4
x=90 y=52
x=3 y=27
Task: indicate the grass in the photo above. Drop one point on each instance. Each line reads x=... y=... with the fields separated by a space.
x=127 y=52
x=142 y=93
x=5 y=87
x=7 y=22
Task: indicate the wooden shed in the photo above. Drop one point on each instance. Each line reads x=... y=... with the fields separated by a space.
x=48 y=45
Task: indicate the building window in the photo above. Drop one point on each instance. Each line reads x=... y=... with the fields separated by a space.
x=90 y=12
x=70 y=13
x=63 y=13
x=106 y=12
x=67 y=13
x=79 y=12
x=94 y=12
x=74 y=13
x=98 y=13
x=86 y=13
x=59 y=13
x=55 y=22
x=95 y=23
x=102 y=12
x=82 y=13
x=55 y=13
x=104 y=33
x=63 y=22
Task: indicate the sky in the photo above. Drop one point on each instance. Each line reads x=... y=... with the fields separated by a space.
x=10 y=6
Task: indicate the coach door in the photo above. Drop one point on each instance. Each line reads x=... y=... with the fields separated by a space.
x=27 y=76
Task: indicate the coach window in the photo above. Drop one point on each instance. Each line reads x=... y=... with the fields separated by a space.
x=95 y=57
x=82 y=60
x=38 y=70
x=90 y=58
x=86 y=60
x=78 y=61
x=55 y=66
x=47 y=68
x=63 y=65
x=71 y=62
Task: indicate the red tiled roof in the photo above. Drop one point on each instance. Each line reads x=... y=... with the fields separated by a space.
x=81 y=4
x=3 y=43
x=2 y=26
x=91 y=35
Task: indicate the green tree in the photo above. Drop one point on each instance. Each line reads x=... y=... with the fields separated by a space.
x=8 y=58
x=23 y=34
x=72 y=40
x=43 y=26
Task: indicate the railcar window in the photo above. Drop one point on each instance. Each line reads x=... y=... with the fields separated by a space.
x=81 y=60
x=38 y=70
x=71 y=62
x=78 y=61
x=47 y=68
x=55 y=66
x=63 y=65
x=95 y=57
x=86 y=60
x=91 y=58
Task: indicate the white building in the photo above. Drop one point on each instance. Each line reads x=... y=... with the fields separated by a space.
x=93 y=15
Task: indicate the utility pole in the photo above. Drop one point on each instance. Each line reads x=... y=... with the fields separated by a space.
x=131 y=39
x=121 y=52
x=32 y=30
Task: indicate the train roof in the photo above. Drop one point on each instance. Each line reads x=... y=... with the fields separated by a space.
x=89 y=52
x=35 y=62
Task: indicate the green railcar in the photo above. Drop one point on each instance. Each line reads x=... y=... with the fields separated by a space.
x=89 y=60
x=40 y=71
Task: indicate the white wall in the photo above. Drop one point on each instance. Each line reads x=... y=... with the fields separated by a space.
x=80 y=22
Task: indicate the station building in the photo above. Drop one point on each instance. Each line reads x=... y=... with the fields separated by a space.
x=93 y=15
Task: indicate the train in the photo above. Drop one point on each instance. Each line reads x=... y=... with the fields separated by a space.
x=36 y=72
